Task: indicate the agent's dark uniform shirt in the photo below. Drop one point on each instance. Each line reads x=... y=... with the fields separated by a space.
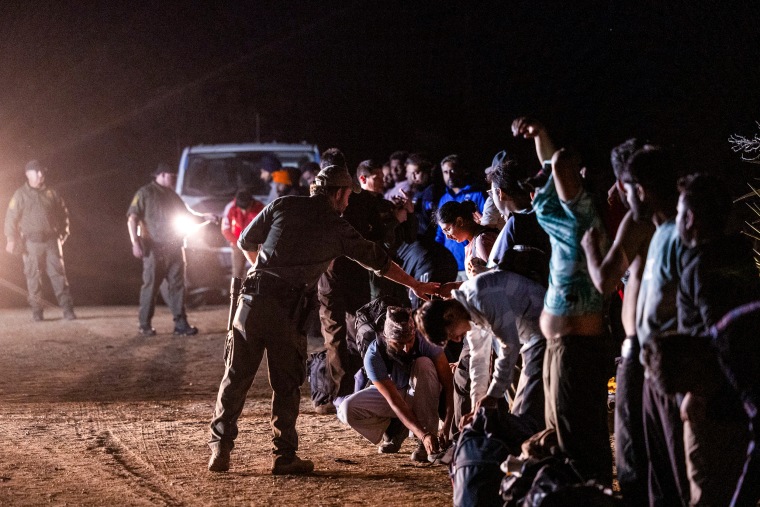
x=158 y=207
x=38 y=214
x=300 y=236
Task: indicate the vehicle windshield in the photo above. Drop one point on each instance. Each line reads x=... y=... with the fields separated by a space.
x=222 y=174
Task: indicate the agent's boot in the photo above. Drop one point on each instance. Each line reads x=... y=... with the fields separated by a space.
x=292 y=465
x=68 y=313
x=182 y=328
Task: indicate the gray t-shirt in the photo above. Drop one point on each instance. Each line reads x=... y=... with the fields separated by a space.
x=656 y=310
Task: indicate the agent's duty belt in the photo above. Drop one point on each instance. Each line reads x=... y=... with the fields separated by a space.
x=266 y=284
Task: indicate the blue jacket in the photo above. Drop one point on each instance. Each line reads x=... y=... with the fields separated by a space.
x=469 y=193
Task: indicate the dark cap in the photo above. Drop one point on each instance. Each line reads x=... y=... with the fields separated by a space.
x=35 y=165
x=399 y=324
x=497 y=160
x=163 y=167
x=336 y=176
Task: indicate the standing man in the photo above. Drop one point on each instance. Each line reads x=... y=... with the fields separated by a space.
x=625 y=259
x=291 y=243
x=151 y=220
x=237 y=215
x=36 y=225
x=650 y=188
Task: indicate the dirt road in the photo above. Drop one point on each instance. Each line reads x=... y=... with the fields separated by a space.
x=93 y=414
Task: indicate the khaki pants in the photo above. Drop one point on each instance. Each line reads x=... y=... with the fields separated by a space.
x=47 y=257
x=262 y=323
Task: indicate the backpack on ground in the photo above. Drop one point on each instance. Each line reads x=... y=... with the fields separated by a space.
x=319 y=380
x=474 y=469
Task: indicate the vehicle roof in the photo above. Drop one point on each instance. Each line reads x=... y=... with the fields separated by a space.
x=226 y=148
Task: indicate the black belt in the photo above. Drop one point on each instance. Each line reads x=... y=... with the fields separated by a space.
x=266 y=284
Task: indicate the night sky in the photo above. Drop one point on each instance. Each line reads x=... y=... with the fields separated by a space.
x=103 y=91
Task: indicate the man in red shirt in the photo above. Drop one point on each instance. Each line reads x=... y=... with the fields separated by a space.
x=237 y=215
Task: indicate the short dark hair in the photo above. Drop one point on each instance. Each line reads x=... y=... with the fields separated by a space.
x=399 y=155
x=420 y=161
x=433 y=317
x=450 y=211
x=653 y=168
x=366 y=167
x=621 y=153
x=708 y=199
x=506 y=176
x=332 y=156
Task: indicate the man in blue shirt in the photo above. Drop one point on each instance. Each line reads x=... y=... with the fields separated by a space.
x=457 y=189
x=407 y=373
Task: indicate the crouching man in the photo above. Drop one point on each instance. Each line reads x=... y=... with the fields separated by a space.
x=406 y=374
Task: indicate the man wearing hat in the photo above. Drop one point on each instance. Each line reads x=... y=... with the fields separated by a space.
x=157 y=241
x=36 y=226
x=407 y=374
x=290 y=244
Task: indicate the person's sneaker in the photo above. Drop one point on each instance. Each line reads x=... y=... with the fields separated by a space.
x=69 y=314
x=220 y=459
x=37 y=316
x=291 y=466
x=394 y=436
x=147 y=331
x=325 y=409
x=182 y=328
x=442 y=457
x=420 y=455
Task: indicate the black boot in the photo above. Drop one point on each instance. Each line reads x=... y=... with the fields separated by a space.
x=182 y=328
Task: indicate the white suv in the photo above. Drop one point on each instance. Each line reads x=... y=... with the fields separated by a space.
x=209 y=176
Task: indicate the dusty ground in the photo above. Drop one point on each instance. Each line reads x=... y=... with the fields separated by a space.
x=92 y=414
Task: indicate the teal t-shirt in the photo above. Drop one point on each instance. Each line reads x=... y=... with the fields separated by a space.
x=571 y=291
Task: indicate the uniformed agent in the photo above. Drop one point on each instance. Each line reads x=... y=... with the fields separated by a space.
x=156 y=240
x=36 y=226
x=290 y=244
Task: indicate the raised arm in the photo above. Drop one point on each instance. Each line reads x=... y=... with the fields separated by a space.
x=533 y=129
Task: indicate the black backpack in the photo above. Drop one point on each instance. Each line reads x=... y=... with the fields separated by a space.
x=320 y=382
x=474 y=469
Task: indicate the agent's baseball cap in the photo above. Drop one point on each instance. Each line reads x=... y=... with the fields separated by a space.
x=336 y=176
x=35 y=165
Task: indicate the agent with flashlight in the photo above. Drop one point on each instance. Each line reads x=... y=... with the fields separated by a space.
x=156 y=239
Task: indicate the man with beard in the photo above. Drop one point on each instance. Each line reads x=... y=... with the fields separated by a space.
x=406 y=374
x=458 y=189
x=651 y=192
x=627 y=255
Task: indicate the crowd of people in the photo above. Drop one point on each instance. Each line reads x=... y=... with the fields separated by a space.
x=445 y=293
x=530 y=289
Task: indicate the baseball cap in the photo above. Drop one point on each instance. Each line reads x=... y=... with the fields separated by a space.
x=336 y=176
x=35 y=165
x=497 y=159
x=163 y=167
